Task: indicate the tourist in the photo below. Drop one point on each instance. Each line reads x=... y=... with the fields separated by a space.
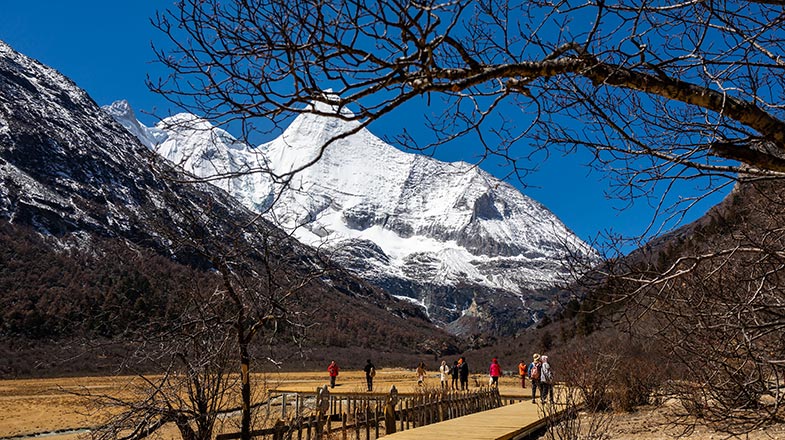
x=421 y=374
x=333 y=370
x=444 y=373
x=370 y=372
x=534 y=375
x=454 y=371
x=463 y=373
x=546 y=380
x=495 y=371
x=522 y=367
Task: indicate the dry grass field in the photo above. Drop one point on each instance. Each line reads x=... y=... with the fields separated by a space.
x=45 y=405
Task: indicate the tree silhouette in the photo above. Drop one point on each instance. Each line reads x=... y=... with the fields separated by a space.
x=656 y=93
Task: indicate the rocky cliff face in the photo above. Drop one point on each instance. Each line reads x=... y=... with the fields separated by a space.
x=449 y=237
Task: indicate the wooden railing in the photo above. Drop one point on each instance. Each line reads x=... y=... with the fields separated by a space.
x=368 y=417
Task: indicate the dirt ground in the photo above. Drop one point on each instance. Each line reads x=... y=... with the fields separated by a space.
x=653 y=423
x=47 y=405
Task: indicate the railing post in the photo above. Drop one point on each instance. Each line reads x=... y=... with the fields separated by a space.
x=278 y=430
x=402 y=414
x=367 y=421
x=389 y=413
x=323 y=403
x=356 y=425
x=376 y=419
x=410 y=414
x=434 y=407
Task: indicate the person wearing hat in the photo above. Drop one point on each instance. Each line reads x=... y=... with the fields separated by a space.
x=534 y=375
x=546 y=380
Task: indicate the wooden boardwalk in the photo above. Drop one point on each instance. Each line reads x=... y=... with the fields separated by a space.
x=510 y=422
x=505 y=423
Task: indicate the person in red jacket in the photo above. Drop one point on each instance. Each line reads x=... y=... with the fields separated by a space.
x=496 y=371
x=333 y=370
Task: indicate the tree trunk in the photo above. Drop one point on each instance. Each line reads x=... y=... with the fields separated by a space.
x=186 y=431
x=245 y=363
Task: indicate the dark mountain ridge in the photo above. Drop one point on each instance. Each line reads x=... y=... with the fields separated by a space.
x=97 y=245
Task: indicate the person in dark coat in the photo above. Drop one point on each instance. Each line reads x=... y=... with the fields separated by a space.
x=454 y=372
x=370 y=372
x=463 y=372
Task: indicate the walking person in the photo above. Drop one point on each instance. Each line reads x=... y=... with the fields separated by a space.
x=546 y=380
x=444 y=374
x=421 y=374
x=522 y=370
x=332 y=369
x=370 y=372
x=463 y=373
x=495 y=371
x=534 y=375
x=454 y=375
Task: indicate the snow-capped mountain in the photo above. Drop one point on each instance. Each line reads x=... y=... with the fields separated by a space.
x=82 y=185
x=448 y=236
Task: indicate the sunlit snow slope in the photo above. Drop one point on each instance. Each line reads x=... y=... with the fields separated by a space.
x=468 y=247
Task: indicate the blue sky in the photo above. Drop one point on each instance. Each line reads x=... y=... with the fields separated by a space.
x=105 y=47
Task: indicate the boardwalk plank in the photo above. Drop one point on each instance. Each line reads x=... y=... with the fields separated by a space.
x=496 y=424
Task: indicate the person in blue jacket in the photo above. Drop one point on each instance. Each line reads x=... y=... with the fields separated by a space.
x=534 y=376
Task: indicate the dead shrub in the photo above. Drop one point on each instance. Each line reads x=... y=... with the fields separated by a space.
x=612 y=374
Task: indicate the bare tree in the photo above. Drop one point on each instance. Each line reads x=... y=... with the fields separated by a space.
x=193 y=386
x=201 y=360
x=657 y=93
x=713 y=295
x=262 y=273
x=654 y=91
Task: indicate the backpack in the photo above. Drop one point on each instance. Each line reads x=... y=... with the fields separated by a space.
x=372 y=373
x=534 y=372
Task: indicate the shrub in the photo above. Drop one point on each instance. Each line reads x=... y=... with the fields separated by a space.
x=612 y=373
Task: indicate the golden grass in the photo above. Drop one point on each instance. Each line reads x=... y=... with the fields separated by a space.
x=43 y=405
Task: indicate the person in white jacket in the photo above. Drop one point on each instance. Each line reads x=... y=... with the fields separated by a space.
x=444 y=374
x=546 y=380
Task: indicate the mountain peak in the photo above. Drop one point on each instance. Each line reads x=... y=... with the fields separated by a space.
x=433 y=231
x=197 y=128
x=122 y=112
x=330 y=105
